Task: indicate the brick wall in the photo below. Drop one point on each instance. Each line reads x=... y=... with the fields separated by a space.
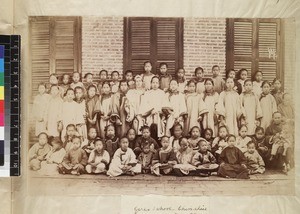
x=204 y=44
x=102 y=44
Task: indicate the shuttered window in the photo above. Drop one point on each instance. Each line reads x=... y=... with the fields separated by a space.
x=254 y=44
x=55 y=47
x=155 y=39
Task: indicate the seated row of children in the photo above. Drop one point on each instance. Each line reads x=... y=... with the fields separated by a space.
x=227 y=155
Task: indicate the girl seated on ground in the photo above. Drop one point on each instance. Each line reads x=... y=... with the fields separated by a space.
x=124 y=161
x=255 y=163
x=232 y=161
x=204 y=160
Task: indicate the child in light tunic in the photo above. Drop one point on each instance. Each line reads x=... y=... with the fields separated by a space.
x=254 y=161
x=242 y=139
x=49 y=166
x=184 y=157
x=124 y=161
x=98 y=159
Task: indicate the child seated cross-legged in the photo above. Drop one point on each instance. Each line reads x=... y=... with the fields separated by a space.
x=89 y=144
x=255 y=163
x=124 y=161
x=204 y=160
x=49 y=166
x=194 y=139
x=38 y=152
x=75 y=160
x=144 y=140
x=98 y=159
x=164 y=159
x=232 y=161
x=145 y=159
x=184 y=157
x=220 y=142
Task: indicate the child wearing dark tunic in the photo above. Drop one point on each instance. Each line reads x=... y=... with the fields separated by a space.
x=111 y=140
x=261 y=143
x=131 y=136
x=232 y=161
x=89 y=144
x=75 y=160
x=204 y=160
x=165 y=78
x=145 y=159
x=164 y=159
x=145 y=140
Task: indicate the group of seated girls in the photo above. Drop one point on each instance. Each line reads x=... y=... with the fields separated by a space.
x=160 y=125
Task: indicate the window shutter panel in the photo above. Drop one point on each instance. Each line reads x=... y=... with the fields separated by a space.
x=40 y=50
x=243 y=45
x=268 y=38
x=166 y=43
x=66 y=45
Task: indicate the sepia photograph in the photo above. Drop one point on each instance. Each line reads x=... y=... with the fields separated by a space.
x=161 y=105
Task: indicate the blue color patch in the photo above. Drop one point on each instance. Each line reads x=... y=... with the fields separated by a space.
x=1 y=65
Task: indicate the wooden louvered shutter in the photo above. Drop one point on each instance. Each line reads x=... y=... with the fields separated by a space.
x=40 y=50
x=55 y=47
x=155 y=39
x=249 y=44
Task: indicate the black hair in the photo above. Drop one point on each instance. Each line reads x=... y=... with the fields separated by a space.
x=43 y=133
x=207 y=129
x=70 y=125
x=243 y=126
x=162 y=64
x=106 y=72
x=91 y=86
x=276 y=79
x=250 y=142
x=228 y=71
x=191 y=81
x=198 y=69
x=240 y=72
x=230 y=136
x=259 y=128
x=128 y=71
x=154 y=77
x=98 y=139
x=215 y=66
x=43 y=84
x=247 y=80
x=69 y=89
x=210 y=80
x=146 y=62
x=276 y=112
x=144 y=127
x=89 y=73
x=265 y=82
x=115 y=72
x=223 y=127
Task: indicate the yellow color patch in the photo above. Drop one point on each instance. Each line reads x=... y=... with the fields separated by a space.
x=1 y=92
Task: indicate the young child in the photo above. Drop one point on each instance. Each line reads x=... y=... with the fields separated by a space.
x=258 y=80
x=88 y=77
x=242 y=75
x=145 y=140
x=184 y=157
x=38 y=152
x=70 y=133
x=196 y=108
x=254 y=161
x=243 y=139
x=229 y=108
x=145 y=159
x=52 y=81
x=210 y=98
x=268 y=105
x=181 y=80
x=81 y=112
x=176 y=103
x=232 y=161
x=49 y=166
x=111 y=140
x=204 y=160
x=124 y=161
x=134 y=98
x=220 y=142
x=164 y=159
x=99 y=159
x=252 y=112
x=194 y=139
x=68 y=111
x=165 y=78
x=208 y=136
x=114 y=83
x=131 y=136
x=147 y=75
x=261 y=143
x=39 y=108
x=76 y=81
x=199 y=80
x=119 y=115
x=237 y=86
x=89 y=144
x=177 y=134
x=152 y=110
x=91 y=101
x=103 y=109
x=66 y=81
x=103 y=74
x=276 y=92
x=219 y=83
x=75 y=160
x=53 y=114
x=128 y=76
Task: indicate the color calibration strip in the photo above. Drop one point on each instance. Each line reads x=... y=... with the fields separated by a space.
x=2 y=110
x=11 y=122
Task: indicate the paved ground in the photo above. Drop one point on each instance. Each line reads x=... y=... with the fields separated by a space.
x=270 y=183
